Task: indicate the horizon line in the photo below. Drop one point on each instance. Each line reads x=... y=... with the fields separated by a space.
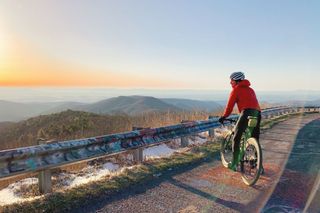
x=147 y=88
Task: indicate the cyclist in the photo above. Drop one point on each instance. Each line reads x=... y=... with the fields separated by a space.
x=245 y=98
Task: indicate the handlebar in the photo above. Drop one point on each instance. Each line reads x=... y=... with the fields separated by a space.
x=232 y=121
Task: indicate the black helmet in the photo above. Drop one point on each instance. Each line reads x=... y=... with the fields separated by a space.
x=237 y=76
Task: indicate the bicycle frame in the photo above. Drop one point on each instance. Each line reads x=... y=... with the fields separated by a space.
x=252 y=123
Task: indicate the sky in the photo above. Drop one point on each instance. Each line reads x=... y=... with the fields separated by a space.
x=167 y=44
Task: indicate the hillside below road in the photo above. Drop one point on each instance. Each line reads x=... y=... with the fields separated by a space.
x=290 y=183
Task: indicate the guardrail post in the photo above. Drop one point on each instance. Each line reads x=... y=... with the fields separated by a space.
x=211 y=131
x=137 y=153
x=45 y=183
x=184 y=140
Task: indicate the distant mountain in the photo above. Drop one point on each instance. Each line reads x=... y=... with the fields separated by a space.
x=63 y=106
x=191 y=105
x=131 y=105
x=294 y=103
x=301 y=103
x=11 y=111
x=313 y=103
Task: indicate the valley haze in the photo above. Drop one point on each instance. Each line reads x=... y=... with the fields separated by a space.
x=21 y=103
x=91 y=94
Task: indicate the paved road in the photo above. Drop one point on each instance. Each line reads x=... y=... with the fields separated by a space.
x=290 y=183
x=298 y=188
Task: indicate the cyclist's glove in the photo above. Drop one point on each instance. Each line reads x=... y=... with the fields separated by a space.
x=221 y=119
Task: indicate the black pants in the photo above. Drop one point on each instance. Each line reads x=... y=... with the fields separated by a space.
x=241 y=126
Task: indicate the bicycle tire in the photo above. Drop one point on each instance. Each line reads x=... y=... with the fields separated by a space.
x=226 y=149
x=252 y=162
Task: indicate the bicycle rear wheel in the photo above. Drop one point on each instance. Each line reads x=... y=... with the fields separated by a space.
x=226 y=149
x=251 y=163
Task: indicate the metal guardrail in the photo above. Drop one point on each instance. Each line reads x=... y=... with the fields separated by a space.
x=47 y=156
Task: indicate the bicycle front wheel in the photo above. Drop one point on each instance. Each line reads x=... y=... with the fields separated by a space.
x=251 y=163
x=226 y=149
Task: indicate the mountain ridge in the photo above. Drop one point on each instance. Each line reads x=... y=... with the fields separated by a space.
x=131 y=105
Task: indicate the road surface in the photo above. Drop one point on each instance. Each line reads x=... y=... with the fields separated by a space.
x=291 y=151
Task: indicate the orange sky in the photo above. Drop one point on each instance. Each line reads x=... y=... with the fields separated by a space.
x=21 y=64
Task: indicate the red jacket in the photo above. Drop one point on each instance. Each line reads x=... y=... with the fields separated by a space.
x=244 y=96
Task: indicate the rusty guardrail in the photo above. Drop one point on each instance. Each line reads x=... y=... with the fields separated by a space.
x=44 y=157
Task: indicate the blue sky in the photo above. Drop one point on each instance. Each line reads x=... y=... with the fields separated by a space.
x=183 y=44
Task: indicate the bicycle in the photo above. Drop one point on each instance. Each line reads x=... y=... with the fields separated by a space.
x=250 y=153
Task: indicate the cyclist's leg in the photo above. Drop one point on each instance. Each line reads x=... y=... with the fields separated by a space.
x=239 y=130
x=256 y=130
x=256 y=135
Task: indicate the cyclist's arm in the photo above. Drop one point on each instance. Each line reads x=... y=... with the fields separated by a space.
x=231 y=102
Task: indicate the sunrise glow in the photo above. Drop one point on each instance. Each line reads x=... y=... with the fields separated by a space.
x=26 y=65
x=153 y=44
x=3 y=48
